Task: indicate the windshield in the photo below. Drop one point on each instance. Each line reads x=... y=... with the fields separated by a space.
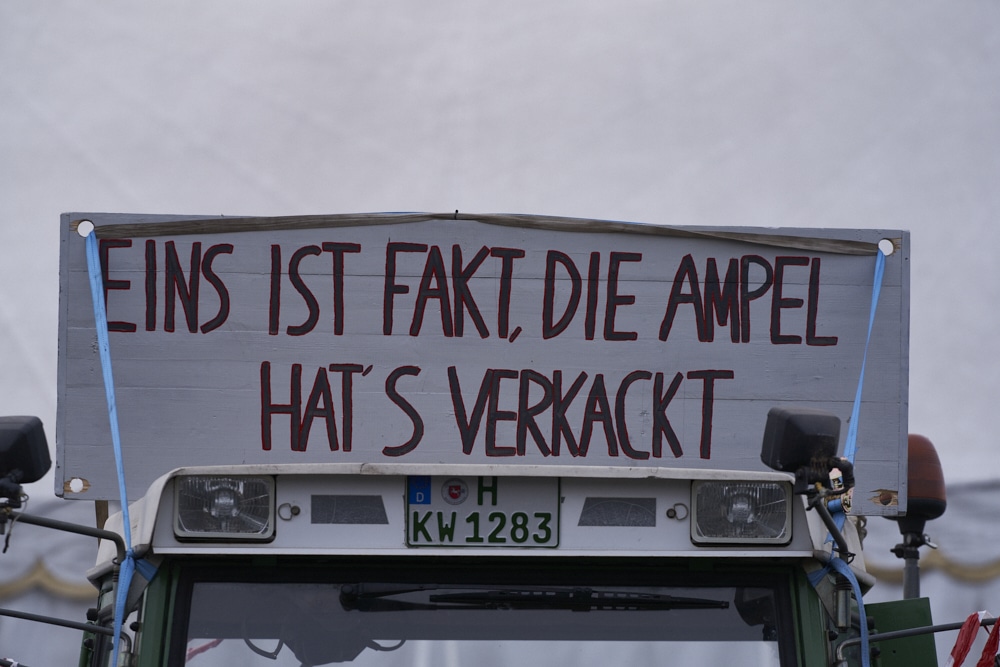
x=377 y=624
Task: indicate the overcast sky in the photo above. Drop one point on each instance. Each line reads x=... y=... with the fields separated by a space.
x=880 y=114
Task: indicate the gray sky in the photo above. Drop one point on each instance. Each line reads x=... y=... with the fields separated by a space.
x=822 y=114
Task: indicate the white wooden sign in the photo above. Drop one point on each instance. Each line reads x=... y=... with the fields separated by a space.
x=472 y=339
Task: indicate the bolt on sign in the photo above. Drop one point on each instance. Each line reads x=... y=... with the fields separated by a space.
x=426 y=338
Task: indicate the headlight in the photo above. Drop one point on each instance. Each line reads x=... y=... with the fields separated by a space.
x=224 y=507
x=741 y=512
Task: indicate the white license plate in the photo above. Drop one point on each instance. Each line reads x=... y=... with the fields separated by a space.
x=482 y=511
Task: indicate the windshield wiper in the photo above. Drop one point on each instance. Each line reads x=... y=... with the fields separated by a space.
x=576 y=599
x=376 y=597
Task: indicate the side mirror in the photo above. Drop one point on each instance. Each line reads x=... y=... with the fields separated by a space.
x=796 y=438
x=24 y=454
x=804 y=441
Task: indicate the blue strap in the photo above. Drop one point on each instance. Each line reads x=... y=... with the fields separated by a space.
x=128 y=567
x=843 y=568
x=101 y=325
x=850 y=445
x=850 y=449
x=840 y=565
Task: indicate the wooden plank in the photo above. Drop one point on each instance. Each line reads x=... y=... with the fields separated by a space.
x=443 y=341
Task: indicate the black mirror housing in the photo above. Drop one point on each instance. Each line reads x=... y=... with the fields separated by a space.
x=24 y=451
x=794 y=438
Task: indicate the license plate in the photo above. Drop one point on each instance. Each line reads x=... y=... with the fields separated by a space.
x=467 y=511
